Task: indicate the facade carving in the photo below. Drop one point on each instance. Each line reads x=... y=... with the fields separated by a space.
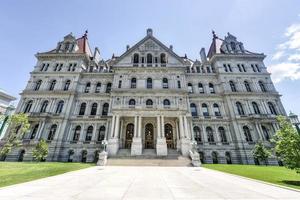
x=150 y=98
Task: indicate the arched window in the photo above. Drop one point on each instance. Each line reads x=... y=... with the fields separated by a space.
x=87 y=87
x=108 y=88
x=205 y=110
x=133 y=83
x=149 y=58
x=44 y=106
x=239 y=108
x=89 y=133
x=216 y=109
x=197 y=134
x=194 y=110
x=247 y=134
x=59 y=107
x=210 y=135
x=255 y=108
x=211 y=88
x=28 y=106
x=52 y=132
x=52 y=85
x=149 y=83
x=149 y=103
x=190 y=88
x=222 y=134
x=214 y=156
x=163 y=59
x=67 y=85
x=232 y=86
x=76 y=133
x=98 y=87
x=34 y=131
x=83 y=156
x=82 y=108
x=136 y=58
x=201 y=88
x=101 y=134
x=266 y=133
x=167 y=103
x=272 y=108
x=105 y=109
x=262 y=86
x=228 y=157
x=165 y=83
x=94 y=109
x=38 y=85
x=232 y=45
x=247 y=86
x=131 y=103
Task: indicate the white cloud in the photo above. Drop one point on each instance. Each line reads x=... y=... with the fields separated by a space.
x=294 y=57
x=289 y=53
x=278 y=55
x=285 y=70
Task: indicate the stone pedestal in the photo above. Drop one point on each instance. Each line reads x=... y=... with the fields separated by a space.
x=102 y=158
x=186 y=146
x=136 y=146
x=113 y=146
x=161 y=147
x=195 y=158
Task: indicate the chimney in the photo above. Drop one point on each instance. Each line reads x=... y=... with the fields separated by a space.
x=149 y=32
x=203 y=55
x=127 y=47
x=171 y=47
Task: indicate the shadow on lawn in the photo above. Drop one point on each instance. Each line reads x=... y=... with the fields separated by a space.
x=296 y=183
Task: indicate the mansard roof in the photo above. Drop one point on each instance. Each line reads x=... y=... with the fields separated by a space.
x=228 y=45
x=149 y=36
x=81 y=45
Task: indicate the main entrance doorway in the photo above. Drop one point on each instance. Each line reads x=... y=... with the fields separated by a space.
x=169 y=136
x=149 y=136
x=129 y=135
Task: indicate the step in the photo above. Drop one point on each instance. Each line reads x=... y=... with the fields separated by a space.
x=181 y=161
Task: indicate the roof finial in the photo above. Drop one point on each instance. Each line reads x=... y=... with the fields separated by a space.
x=214 y=34
x=85 y=33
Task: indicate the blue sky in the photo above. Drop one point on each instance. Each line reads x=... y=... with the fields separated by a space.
x=271 y=27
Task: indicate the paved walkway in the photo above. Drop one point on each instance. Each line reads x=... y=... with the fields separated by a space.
x=145 y=183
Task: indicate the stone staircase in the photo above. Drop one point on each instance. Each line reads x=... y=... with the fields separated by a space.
x=148 y=158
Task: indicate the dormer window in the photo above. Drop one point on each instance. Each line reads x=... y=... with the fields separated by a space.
x=135 y=58
x=232 y=45
x=163 y=59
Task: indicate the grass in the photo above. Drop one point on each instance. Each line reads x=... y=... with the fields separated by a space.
x=14 y=172
x=272 y=174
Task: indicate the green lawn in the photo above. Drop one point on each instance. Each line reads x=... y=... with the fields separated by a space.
x=14 y=172
x=272 y=174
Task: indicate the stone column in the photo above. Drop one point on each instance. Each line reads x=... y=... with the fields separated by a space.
x=186 y=130
x=117 y=126
x=158 y=126
x=181 y=127
x=136 y=146
x=135 y=126
x=161 y=145
x=185 y=141
x=177 y=135
x=113 y=142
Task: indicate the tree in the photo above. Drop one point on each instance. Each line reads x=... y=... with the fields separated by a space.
x=287 y=144
x=260 y=152
x=18 y=125
x=40 y=151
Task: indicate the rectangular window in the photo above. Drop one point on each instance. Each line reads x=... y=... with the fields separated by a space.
x=225 y=68
x=120 y=84
x=178 y=84
x=244 y=69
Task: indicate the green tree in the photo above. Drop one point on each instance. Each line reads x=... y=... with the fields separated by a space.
x=260 y=152
x=287 y=144
x=40 y=151
x=18 y=126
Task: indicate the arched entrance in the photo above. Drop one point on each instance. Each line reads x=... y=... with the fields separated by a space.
x=129 y=135
x=169 y=136
x=149 y=136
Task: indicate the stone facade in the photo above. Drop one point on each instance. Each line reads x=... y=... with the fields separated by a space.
x=150 y=98
x=6 y=109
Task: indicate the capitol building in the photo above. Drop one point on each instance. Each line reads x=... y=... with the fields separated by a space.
x=149 y=100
